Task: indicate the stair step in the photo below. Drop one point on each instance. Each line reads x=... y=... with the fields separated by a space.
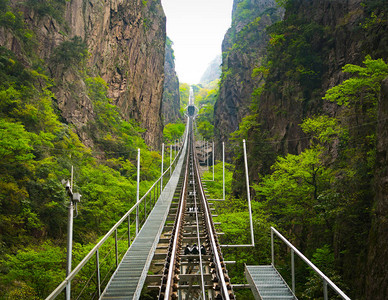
x=266 y=283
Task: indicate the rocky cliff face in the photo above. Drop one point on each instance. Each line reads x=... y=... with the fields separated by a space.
x=212 y=72
x=171 y=97
x=304 y=58
x=333 y=37
x=125 y=40
x=377 y=281
x=244 y=48
x=320 y=37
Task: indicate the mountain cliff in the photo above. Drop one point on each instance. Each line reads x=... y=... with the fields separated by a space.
x=171 y=97
x=212 y=72
x=125 y=43
x=243 y=48
x=80 y=92
x=318 y=45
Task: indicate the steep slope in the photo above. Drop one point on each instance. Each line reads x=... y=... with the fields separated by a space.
x=314 y=42
x=377 y=281
x=171 y=97
x=244 y=48
x=73 y=76
x=304 y=58
x=125 y=42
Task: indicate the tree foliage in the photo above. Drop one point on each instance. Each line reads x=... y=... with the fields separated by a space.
x=37 y=151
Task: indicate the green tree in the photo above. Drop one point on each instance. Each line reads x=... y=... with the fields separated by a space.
x=294 y=192
x=15 y=143
x=363 y=88
x=35 y=269
x=173 y=132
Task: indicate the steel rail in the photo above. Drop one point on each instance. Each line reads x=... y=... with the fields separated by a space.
x=173 y=255
x=92 y=252
x=175 y=248
x=212 y=237
x=198 y=238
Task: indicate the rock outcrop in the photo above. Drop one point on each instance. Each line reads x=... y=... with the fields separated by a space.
x=171 y=97
x=244 y=48
x=126 y=43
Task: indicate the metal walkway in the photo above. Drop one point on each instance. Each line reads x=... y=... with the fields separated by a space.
x=128 y=280
x=267 y=284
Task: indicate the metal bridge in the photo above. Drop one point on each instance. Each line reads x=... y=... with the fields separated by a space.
x=166 y=246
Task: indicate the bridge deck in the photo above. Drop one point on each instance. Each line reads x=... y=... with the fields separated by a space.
x=267 y=284
x=128 y=280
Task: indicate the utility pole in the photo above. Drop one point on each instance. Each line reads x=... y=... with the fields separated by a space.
x=74 y=199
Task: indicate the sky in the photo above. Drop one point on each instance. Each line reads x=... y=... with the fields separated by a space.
x=197 y=28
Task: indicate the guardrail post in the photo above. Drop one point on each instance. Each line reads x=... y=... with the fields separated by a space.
x=248 y=193
x=170 y=160
x=325 y=294
x=138 y=191
x=161 y=172
x=116 y=249
x=129 y=230
x=207 y=158
x=157 y=191
x=213 y=159
x=293 y=270
x=272 y=249
x=154 y=196
x=145 y=208
x=223 y=170
x=98 y=274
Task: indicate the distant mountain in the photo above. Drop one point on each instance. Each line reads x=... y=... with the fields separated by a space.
x=212 y=72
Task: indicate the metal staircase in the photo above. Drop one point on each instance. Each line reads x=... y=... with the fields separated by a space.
x=267 y=284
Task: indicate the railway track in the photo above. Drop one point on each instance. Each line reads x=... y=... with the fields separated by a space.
x=188 y=263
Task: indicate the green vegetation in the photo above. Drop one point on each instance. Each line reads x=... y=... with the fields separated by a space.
x=205 y=98
x=300 y=61
x=52 y=8
x=173 y=132
x=37 y=150
x=71 y=53
x=184 y=92
x=323 y=196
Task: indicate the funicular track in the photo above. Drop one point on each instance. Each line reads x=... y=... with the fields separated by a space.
x=193 y=266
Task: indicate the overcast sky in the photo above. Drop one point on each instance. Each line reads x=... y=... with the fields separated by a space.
x=197 y=28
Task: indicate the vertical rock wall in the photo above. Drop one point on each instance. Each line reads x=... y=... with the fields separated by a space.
x=171 y=97
x=126 y=43
x=377 y=278
x=321 y=37
x=244 y=48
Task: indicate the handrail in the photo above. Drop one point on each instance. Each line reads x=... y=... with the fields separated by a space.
x=75 y=271
x=326 y=280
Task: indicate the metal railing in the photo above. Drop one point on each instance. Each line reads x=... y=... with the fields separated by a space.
x=153 y=192
x=325 y=279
